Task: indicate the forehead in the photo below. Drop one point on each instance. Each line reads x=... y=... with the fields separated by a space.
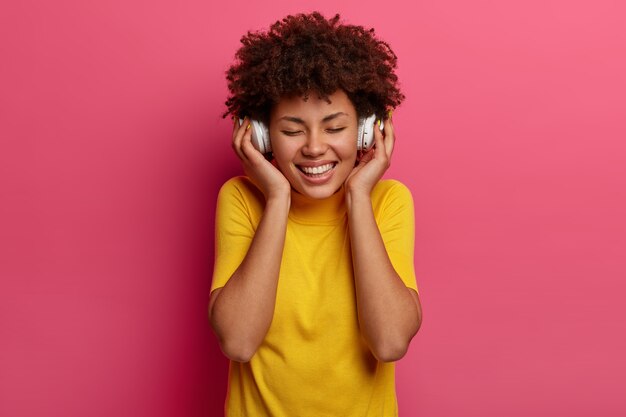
x=313 y=107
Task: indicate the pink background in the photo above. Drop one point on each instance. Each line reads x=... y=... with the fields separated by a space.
x=112 y=151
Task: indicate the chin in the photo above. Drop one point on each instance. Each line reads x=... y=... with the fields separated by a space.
x=318 y=193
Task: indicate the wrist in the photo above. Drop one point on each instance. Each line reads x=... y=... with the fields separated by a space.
x=355 y=192
x=356 y=197
x=278 y=198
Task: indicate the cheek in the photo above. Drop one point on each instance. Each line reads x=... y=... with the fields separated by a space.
x=347 y=147
x=282 y=158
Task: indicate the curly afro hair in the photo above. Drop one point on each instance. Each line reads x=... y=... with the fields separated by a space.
x=308 y=53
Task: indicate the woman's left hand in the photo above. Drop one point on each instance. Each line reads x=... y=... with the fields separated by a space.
x=374 y=162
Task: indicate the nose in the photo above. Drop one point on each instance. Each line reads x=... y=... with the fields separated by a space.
x=315 y=144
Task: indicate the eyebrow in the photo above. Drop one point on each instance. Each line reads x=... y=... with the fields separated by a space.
x=325 y=119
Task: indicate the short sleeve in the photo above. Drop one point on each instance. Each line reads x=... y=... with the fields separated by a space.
x=236 y=219
x=393 y=209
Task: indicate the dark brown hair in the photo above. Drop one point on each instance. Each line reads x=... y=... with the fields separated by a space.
x=308 y=53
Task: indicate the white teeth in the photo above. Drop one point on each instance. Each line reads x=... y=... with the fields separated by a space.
x=317 y=170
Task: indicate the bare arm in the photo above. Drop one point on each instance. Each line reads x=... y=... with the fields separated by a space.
x=389 y=313
x=241 y=312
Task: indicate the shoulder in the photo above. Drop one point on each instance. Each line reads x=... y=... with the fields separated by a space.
x=240 y=191
x=392 y=203
x=390 y=189
x=240 y=186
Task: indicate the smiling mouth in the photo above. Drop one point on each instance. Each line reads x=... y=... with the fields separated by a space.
x=318 y=170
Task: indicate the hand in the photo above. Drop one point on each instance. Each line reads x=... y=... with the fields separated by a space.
x=373 y=163
x=261 y=172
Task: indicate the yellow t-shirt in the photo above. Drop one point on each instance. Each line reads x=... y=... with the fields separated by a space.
x=313 y=360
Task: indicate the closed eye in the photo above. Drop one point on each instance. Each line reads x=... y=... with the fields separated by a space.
x=291 y=132
x=335 y=130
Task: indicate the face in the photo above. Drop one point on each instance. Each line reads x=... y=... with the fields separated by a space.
x=314 y=142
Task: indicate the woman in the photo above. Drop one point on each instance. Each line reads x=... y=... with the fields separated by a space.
x=314 y=293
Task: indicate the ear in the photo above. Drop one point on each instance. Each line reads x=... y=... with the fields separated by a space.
x=364 y=157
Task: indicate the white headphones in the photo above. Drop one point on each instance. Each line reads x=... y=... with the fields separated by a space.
x=364 y=140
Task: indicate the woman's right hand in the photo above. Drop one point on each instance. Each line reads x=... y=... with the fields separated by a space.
x=261 y=172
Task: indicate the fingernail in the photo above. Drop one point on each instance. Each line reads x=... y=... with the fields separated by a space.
x=378 y=122
x=248 y=127
x=390 y=113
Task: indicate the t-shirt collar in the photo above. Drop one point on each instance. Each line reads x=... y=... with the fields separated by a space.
x=311 y=210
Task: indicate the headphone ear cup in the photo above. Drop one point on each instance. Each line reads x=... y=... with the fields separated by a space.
x=261 y=137
x=365 y=138
x=359 y=134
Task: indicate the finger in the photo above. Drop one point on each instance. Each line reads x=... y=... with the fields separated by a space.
x=379 y=141
x=236 y=126
x=238 y=138
x=390 y=136
x=251 y=153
